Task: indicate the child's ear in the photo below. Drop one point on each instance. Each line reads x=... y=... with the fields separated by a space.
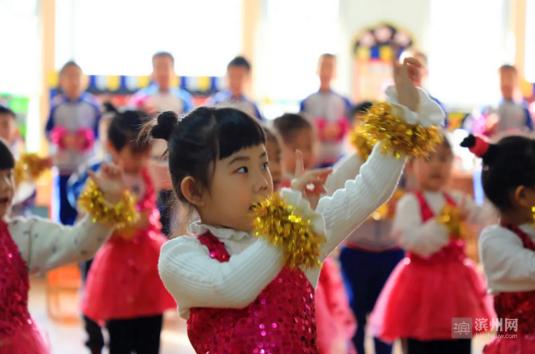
x=521 y=197
x=192 y=192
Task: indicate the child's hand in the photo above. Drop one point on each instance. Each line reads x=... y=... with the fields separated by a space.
x=332 y=131
x=70 y=141
x=110 y=181
x=404 y=76
x=309 y=183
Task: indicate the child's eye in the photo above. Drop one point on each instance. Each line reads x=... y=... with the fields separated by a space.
x=265 y=166
x=242 y=170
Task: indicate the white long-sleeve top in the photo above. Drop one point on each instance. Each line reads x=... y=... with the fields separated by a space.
x=44 y=244
x=372 y=235
x=426 y=238
x=196 y=280
x=507 y=264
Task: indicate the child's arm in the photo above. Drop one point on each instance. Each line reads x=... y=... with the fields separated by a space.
x=344 y=170
x=44 y=244
x=196 y=280
x=507 y=264
x=481 y=215
x=412 y=235
x=347 y=208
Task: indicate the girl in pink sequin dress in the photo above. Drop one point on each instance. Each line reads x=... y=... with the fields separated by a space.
x=233 y=287
x=123 y=288
x=435 y=282
x=36 y=245
x=508 y=249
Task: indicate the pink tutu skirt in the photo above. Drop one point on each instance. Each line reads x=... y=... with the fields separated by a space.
x=422 y=297
x=124 y=282
x=25 y=340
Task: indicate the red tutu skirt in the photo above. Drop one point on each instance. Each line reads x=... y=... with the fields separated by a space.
x=25 y=340
x=124 y=282
x=335 y=322
x=524 y=344
x=421 y=298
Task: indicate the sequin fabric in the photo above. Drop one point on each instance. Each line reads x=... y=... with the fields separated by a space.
x=518 y=305
x=14 y=286
x=280 y=320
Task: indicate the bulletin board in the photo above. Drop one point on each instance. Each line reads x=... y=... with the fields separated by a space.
x=374 y=49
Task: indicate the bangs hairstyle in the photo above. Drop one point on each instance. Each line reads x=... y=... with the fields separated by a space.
x=202 y=137
x=7 y=161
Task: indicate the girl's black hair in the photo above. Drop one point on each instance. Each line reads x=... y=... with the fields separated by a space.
x=202 y=137
x=507 y=164
x=7 y=161
x=125 y=127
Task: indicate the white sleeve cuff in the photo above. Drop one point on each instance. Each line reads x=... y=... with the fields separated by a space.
x=429 y=112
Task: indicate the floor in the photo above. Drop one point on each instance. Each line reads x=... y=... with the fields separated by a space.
x=66 y=335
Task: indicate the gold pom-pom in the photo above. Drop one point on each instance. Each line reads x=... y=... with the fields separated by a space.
x=362 y=145
x=397 y=136
x=29 y=167
x=451 y=217
x=119 y=215
x=284 y=227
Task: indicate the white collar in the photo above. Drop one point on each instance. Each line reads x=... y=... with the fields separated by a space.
x=198 y=228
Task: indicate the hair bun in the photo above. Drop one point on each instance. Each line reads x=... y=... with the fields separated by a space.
x=110 y=108
x=166 y=122
x=477 y=145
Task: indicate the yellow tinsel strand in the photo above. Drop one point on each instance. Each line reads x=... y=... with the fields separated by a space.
x=451 y=217
x=120 y=214
x=361 y=144
x=280 y=224
x=29 y=167
x=397 y=136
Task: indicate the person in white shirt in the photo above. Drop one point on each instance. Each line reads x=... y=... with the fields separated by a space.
x=35 y=245
x=508 y=249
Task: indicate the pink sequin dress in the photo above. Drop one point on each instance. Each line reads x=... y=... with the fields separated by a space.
x=280 y=320
x=520 y=306
x=422 y=295
x=18 y=333
x=123 y=281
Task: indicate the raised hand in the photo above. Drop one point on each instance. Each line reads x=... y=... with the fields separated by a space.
x=404 y=77
x=309 y=183
x=110 y=181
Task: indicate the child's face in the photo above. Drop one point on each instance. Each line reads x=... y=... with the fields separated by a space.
x=7 y=191
x=327 y=69
x=275 y=164
x=302 y=140
x=433 y=172
x=70 y=82
x=8 y=128
x=163 y=72
x=239 y=181
x=508 y=83
x=129 y=161
x=237 y=77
